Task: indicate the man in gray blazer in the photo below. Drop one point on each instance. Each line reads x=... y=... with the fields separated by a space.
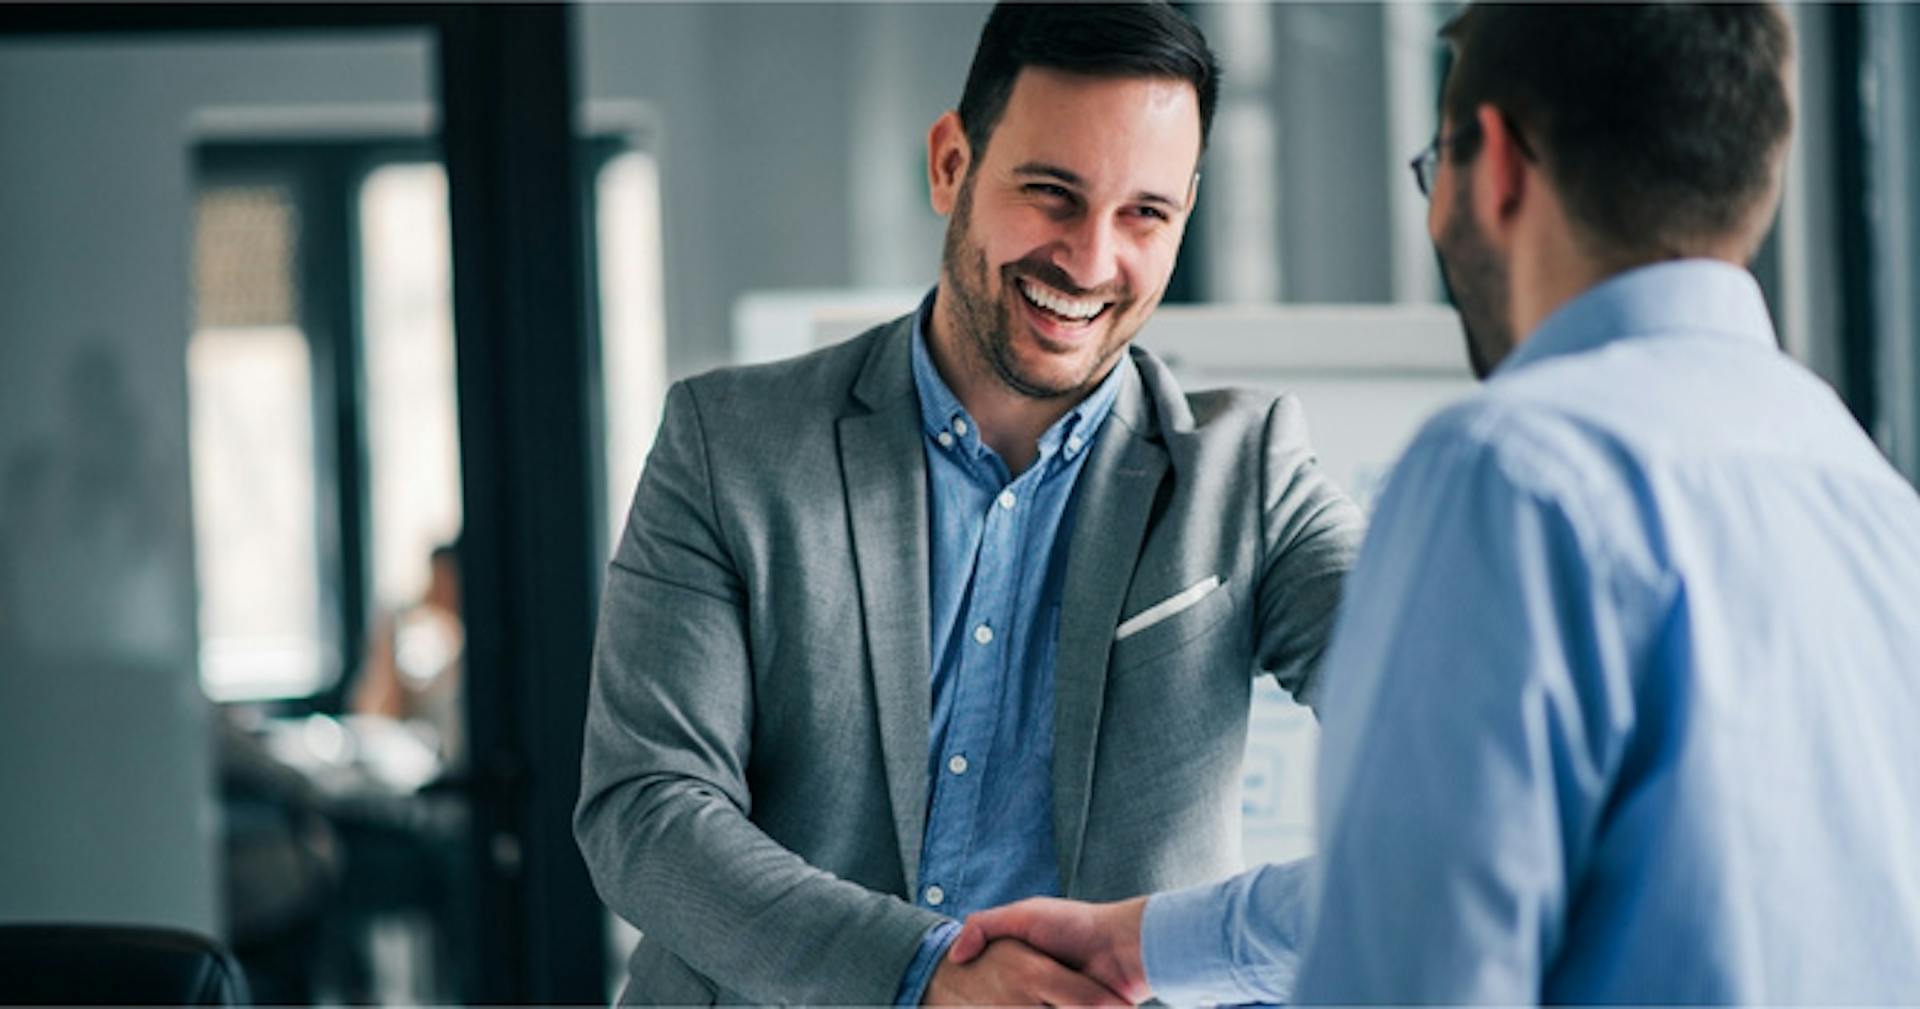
x=967 y=608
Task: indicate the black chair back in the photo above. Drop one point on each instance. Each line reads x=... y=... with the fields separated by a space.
x=116 y=965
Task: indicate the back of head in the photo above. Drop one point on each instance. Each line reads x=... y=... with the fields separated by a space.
x=1150 y=39
x=1663 y=126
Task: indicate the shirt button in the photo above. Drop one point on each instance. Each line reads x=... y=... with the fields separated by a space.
x=983 y=634
x=945 y=439
x=936 y=896
x=957 y=764
x=960 y=427
x=1074 y=443
x=1006 y=499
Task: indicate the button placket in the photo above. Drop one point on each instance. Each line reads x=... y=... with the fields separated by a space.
x=997 y=568
x=958 y=791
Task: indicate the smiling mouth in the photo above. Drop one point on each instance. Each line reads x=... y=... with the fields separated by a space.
x=1061 y=307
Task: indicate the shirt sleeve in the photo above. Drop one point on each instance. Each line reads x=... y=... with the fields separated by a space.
x=1229 y=942
x=1480 y=702
x=933 y=946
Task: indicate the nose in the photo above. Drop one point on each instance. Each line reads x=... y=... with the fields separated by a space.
x=1090 y=252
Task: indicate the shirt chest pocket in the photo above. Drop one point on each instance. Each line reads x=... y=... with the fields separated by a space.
x=1169 y=624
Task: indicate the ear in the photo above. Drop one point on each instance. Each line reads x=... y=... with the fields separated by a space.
x=1502 y=174
x=948 y=158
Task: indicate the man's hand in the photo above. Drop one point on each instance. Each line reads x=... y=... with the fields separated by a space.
x=1102 y=940
x=1007 y=972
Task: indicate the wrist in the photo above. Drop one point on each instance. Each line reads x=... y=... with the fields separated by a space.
x=1128 y=950
x=916 y=984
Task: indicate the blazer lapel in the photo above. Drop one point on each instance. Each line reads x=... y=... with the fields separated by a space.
x=1115 y=500
x=886 y=486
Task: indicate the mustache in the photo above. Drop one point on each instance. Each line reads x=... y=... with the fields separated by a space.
x=1046 y=273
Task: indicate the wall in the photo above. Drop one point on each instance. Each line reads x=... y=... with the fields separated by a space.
x=106 y=763
x=1896 y=55
x=793 y=143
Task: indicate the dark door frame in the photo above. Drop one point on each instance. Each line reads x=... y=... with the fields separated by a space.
x=526 y=376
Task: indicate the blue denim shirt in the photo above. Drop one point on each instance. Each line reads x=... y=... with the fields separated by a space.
x=1622 y=704
x=998 y=559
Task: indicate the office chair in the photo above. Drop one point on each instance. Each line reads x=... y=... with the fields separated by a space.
x=116 y=965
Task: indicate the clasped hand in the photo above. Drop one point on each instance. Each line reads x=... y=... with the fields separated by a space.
x=1046 y=951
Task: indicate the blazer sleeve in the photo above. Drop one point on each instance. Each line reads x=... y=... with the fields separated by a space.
x=1310 y=538
x=663 y=814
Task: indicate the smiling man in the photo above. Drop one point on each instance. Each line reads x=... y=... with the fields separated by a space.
x=966 y=609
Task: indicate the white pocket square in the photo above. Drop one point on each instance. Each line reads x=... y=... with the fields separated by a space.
x=1165 y=608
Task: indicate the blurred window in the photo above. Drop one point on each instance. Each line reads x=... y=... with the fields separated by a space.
x=413 y=441
x=633 y=345
x=325 y=426
x=252 y=446
x=1304 y=195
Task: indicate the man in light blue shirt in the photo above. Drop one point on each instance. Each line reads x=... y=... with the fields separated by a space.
x=1622 y=704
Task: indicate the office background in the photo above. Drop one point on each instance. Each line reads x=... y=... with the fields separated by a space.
x=249 y=378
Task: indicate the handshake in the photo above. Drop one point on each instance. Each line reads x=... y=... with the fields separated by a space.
x=1045 y=951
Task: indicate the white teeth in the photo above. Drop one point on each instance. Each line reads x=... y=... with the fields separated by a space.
x=1059 y=304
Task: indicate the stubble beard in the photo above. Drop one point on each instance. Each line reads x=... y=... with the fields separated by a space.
x=1476 y=282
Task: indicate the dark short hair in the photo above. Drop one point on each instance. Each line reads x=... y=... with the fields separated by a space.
x=1662 y=125
x=1149 y=39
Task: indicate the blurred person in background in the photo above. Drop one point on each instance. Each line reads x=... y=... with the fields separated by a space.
x=412 y=669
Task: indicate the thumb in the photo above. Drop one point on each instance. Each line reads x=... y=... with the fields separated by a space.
x=981 y=928
x=971 y=942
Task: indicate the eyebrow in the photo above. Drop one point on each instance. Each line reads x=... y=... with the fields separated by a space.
x=1044 y=170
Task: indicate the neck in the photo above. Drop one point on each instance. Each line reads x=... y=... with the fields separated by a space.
x=1010 y=423
x=1549 y=271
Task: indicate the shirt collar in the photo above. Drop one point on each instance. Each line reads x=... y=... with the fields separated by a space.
x=1692 y=296
x=941 y=412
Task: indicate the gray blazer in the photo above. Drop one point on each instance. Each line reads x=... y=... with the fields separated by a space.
x=755 y=780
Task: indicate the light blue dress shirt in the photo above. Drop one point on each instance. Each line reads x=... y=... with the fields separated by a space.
x=998 y=560
x=1624 y=705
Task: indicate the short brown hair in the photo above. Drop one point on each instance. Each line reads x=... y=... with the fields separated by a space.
x=1151 y=39
x=1663 y=125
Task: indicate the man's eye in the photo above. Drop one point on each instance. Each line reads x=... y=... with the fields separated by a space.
x=1049 y=190
x=1152 y=213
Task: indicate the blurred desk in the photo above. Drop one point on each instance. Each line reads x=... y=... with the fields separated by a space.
x=365 y=806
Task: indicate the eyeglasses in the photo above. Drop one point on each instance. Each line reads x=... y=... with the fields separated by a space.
x=1427 y=162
